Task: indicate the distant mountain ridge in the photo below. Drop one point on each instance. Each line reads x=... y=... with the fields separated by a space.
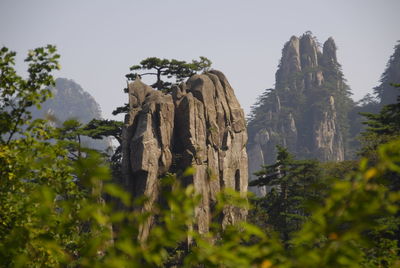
x=71 y=101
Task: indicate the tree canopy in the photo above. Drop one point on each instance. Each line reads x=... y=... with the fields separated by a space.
x=381 y=127
x=385 y=91
x=291 y=183
x=164 y=69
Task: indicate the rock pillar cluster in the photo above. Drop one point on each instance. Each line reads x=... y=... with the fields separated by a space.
x=306 y=111
x=200 y=124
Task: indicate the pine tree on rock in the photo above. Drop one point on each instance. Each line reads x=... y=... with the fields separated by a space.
x=168 y=69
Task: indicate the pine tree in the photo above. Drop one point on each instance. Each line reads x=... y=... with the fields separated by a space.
x=381 y=127
x=164 y=68
x=385 y=91
x=293 y=185
x=100 y=129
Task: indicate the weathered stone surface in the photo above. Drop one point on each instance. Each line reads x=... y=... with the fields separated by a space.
x=328 y=142
x=201 y=124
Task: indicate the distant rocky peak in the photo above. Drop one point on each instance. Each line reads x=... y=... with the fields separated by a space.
x=299 y=65
x=69 y=85
x=307 y=110
x=71 y=101
x=303 y=65
x=329 y=50
x=290 y=61
x=308 y=51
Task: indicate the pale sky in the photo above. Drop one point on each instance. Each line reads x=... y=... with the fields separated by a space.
x=99 y=40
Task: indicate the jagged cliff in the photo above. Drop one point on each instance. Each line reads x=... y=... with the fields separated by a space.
x=306 y=111
x=200 y=124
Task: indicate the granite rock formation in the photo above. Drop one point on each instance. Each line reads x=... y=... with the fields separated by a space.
x=306 y=111
x=200 y=124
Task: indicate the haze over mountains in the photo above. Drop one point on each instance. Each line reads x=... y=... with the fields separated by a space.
x=71 y=101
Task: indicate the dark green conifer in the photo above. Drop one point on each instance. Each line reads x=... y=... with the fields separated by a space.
x=293 y=185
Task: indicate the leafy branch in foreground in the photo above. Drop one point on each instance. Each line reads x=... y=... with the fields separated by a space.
x=18 y=94
x=51 y=220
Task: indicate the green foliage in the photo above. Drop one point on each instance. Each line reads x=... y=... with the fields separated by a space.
x=164 y=68
x=335 y=234
x=294 y=185
x=387 y=121
x=332 y=171
x=69 y=134
x=100 y=129
x=52 y=221
x=385 y=94
x=43 y=224
x=368 y=104
x=121 y=109
x=381 y=127
x=18 y=94
x=257 y=118
x=385 y=91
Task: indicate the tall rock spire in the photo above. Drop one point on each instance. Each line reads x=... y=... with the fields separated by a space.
x=329 y=51
x=200 y=124
x=313 y=99
x=290 y=63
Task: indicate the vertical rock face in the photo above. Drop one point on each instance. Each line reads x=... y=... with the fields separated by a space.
x=306 y=111
x=328 y=140
x=201 y=125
